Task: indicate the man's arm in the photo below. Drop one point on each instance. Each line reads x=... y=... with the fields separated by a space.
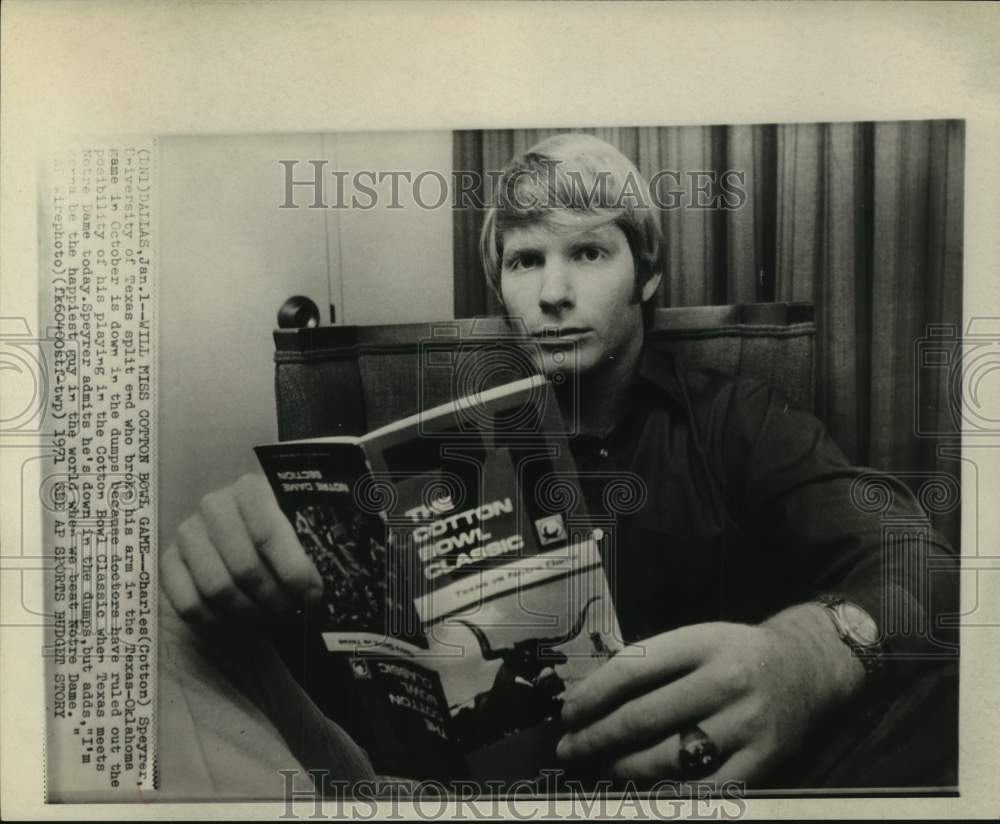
x=757 y=690
x=231 y=712
x=826 y=521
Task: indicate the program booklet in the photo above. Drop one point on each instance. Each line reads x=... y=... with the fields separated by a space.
x=464 y=586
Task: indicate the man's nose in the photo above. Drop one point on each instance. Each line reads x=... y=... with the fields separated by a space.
x=556 y=293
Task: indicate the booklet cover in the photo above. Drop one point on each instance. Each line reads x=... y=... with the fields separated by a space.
x=464 y=587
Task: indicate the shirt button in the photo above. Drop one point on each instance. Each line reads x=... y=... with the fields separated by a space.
x=603 y=452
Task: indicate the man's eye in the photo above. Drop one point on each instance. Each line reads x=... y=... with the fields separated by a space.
x=519 y=262
x=591 y=254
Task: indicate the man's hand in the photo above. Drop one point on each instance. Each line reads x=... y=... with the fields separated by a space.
x=754 y=690
x=237 y=558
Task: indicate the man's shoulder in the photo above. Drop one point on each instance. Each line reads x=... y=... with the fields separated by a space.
x=719 y=406
x=710 y=390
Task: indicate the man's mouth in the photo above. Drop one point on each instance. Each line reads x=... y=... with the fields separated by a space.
x=563 y=332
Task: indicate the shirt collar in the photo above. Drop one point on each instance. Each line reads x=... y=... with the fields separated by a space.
x=657 y=378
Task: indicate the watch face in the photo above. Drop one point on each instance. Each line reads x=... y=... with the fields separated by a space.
x=859 y=624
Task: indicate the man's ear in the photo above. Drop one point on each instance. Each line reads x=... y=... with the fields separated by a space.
x=650 y=286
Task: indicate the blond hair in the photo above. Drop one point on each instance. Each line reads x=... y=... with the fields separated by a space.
x=566 y=176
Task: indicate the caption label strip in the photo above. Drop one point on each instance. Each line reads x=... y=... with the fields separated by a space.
x=97 y=264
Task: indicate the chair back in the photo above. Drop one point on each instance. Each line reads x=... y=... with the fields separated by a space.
x=346 y=380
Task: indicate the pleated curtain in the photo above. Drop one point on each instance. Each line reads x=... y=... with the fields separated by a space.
x=862 y=219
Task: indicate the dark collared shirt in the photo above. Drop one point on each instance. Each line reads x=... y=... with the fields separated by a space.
x=750 y=507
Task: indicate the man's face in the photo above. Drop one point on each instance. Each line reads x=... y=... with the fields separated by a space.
x=576 y=283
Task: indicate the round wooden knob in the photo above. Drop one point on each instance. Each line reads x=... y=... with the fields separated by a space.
x=298 y=312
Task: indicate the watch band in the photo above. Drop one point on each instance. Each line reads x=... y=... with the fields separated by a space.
x=870 y=654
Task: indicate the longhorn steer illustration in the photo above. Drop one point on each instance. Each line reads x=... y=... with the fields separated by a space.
x=521 y=695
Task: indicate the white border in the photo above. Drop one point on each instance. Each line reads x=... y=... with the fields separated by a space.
x=164 y=68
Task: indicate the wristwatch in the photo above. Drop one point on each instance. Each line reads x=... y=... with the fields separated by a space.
x=857 y=629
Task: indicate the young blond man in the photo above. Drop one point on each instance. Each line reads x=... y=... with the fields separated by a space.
x=749 y=584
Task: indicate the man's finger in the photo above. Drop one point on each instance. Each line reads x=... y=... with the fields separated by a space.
x=180 y=589
x=649 y=717
x=211 y=577
x=633 y=670
x=275 y=538
x=663 y=759
x=231 y=537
